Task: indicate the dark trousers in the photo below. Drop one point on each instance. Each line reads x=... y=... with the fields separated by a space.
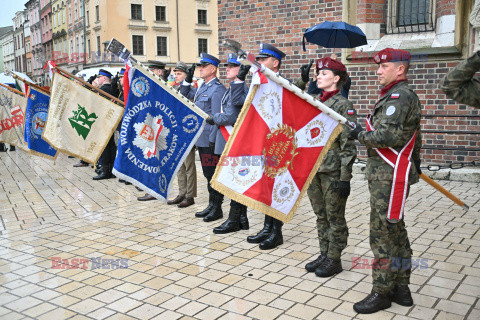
x=108 y=155
x=208 y=161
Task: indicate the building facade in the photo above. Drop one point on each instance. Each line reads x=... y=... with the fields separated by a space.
x=59 y=32
x=19 y=41
x=28 y=47
x=8 y=50
x=38 y=55
x=76 y=38
x=46 y=28
x=437 y=32
x=165 y=30
x=3 y=31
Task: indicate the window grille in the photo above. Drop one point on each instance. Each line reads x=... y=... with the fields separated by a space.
x=136 y=11
x=202 y=46
x=407 y=16
x=160 y=13
x=202 y=16
x=137 y=46
x=161 y=46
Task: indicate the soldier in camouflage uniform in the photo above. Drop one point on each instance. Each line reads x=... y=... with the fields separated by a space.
x=395 y=120
x=330 y=187
x=460 y=84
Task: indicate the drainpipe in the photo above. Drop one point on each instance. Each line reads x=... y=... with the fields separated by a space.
x=178 y=34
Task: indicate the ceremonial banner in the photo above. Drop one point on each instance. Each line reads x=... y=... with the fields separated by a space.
x=12 y=118
x=157 y=133
x=274 y=151
x=80 y=122
x=36 y=119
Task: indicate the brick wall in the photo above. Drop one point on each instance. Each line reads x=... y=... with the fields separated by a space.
x=445 y=7
x=372 y=11
x=283 y=23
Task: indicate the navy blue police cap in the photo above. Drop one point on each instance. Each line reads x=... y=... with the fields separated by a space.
x=122 y=71
x=103 y=72
x=206 y=59
x=232 y=60
x=267 y=50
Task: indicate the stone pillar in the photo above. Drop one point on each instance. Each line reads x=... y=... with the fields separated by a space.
x=475 y=21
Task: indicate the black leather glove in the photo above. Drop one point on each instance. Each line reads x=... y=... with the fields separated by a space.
x=166 y=73
x=354 y=132
x=190 y=72
x=91 y=79
x=242 y=73
x=209 y=120
x=478 y=53
x=417 y=165
x=305 y=70
x=212 y=147
x=343 y=189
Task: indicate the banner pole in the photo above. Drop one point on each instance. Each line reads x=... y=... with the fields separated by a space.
x=13 y=90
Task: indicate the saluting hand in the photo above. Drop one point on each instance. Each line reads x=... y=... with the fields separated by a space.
x=242 y=73
x=305 y=70
x=190 y=72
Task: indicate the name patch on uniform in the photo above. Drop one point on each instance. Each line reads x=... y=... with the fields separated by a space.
x=395 y=95
x=350 y=112
x=390 y=110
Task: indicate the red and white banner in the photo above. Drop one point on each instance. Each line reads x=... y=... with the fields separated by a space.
x=400 y=162
x=274 y=151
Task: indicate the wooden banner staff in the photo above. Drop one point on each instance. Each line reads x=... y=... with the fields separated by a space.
x=444 y=191
x=13 y=89
x=98 y=90
x=31 y=84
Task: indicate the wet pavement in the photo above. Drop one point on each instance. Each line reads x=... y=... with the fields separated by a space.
x=75 y=248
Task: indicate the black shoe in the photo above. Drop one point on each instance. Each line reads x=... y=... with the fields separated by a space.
x=12 y=148
x=204 y=212
x=98 y=170
x=103 y=176
x=374 y=302
x=264 y=233
x=177 y=200
x=401 y=295
x=232 y=224
x=275 y=238
x=244 y=225
x=216 y=212
x=329 y=268
x=311 y=266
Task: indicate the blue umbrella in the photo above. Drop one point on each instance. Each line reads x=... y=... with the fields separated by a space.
x=335 y=35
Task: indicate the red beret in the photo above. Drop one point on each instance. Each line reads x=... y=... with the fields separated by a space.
x=391 y=55
x=330 y=64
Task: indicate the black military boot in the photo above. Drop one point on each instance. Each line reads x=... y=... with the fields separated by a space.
x=244 y=225
x=311 y=266
x=329 y=268
x=232 y=224
x=264 y=233
x=401 y=295
x=105 y=174
x=275 y=238
x=204 y=212
x=216 y=212
x=372 y=303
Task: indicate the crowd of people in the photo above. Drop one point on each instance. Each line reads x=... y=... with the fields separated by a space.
x=392 y=137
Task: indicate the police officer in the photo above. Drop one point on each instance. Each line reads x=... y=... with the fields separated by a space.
x=187 y=174
x=208 y=98
x=460 y=84
x=158 y=68
x=330 y=187
x=107 y=158
x=393 y=129
x=271 y=235
x=232 y=103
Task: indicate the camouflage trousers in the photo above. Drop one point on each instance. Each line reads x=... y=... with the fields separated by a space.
x=330 y=211
x=388 y=241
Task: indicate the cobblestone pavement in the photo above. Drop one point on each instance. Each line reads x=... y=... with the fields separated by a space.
x=174 y=267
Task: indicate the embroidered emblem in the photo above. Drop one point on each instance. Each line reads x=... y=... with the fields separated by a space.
x=390 y=110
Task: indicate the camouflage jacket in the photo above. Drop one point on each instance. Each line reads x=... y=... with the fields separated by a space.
x=460 y=84
x=342 y=152
x=395 y=118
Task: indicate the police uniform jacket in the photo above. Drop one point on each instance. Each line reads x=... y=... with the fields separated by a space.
x=342 y=152
x=108 y=88
x=396 y=117
x=460 y=84
x=208 y=98
x=232 y=103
